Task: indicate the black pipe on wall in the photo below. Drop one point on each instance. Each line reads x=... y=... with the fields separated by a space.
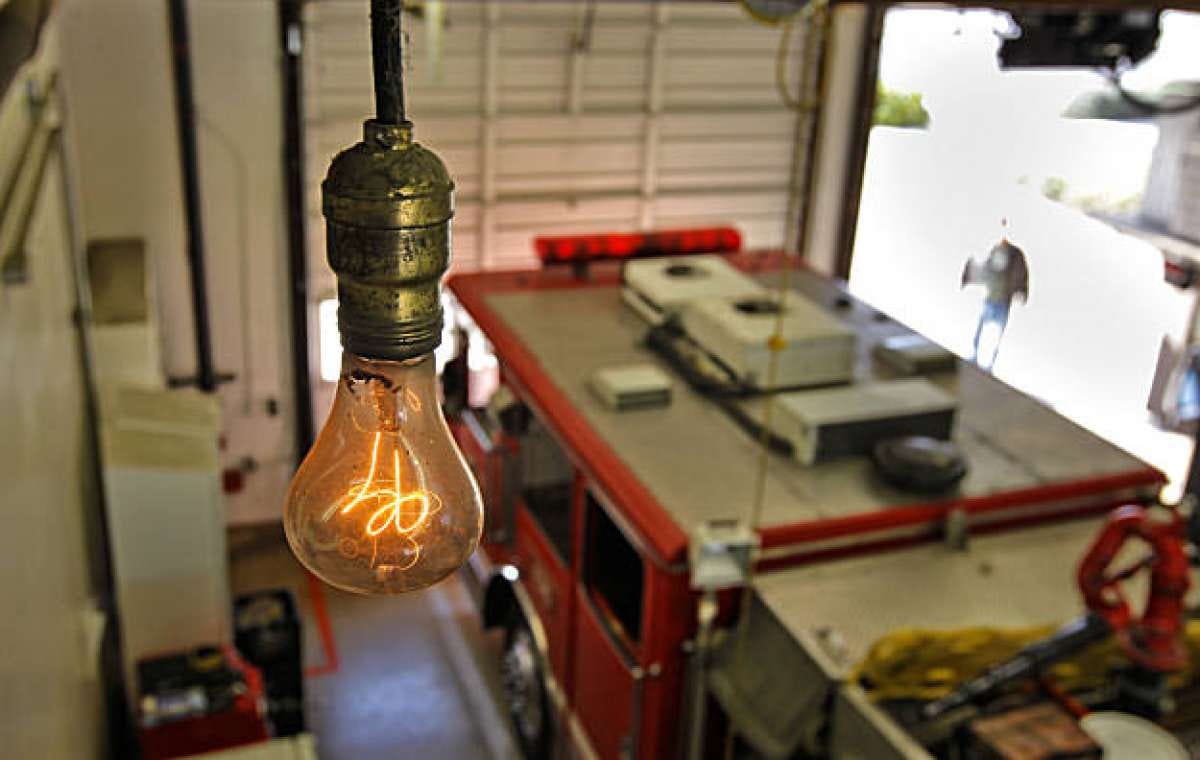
x=291 y=45
x=185 y=117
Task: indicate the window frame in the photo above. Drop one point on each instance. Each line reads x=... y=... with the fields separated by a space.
x=594 y=504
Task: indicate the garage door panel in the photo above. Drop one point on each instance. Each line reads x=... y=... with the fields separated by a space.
x=568 y=158
x=568 y=185
x=714 y=153
x=575 y=127
x=772 y=121
x=544 y=213
x=716 y=150
x=770 y=179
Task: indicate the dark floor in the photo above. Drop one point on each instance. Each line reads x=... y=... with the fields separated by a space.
x=412 y=676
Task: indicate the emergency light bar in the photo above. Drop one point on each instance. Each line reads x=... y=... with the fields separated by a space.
x=581 y=249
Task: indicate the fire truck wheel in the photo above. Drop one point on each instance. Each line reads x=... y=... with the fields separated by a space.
x=524 y=690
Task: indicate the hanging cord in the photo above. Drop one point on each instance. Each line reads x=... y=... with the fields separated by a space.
x=815 y=17
x=387 y=56
x=781 y=56
x=813 y=12
x=711 y=379
x=581 y=40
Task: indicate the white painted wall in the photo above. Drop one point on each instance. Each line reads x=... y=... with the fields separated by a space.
x=121 y=92
x=51 y=696
x=165 y=524
x=238 y=106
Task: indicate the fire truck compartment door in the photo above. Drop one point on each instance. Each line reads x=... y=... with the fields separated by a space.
x=605 y=682
x=772 y=691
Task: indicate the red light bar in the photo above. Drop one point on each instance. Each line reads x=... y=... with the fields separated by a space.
x=580 y=249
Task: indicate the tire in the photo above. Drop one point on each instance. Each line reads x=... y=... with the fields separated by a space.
x=524 y=688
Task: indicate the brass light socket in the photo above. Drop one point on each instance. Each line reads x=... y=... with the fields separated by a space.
x=387 y=203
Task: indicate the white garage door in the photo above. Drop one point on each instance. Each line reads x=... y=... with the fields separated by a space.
x=569 y=117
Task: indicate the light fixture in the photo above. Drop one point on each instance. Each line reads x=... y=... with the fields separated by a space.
x=384 y=502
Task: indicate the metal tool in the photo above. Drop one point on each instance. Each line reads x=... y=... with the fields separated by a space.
x=1152 y=642
x=1075 y=635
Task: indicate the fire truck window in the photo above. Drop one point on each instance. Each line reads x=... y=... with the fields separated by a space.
x=546 y=477
x=613 y=572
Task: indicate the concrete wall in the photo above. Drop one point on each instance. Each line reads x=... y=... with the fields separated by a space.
x=49 y=689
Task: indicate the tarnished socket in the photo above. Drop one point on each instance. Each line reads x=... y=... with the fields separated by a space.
x=388 y=203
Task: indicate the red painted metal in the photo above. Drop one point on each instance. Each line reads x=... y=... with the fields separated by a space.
x=927 y=532
x=242 y=722
x=233 y=480
x=602 y=687
x=915 y=514
x=1155 y=640
x=593 y=455
x=316 y=597
x=574 y=249
x=548 y=582
x=1179 y=272
x=486 y=465
x=669 y=615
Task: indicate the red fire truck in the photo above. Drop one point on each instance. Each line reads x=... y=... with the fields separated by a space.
x=591 y=511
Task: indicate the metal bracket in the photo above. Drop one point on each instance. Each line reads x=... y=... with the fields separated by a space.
x=722 y=554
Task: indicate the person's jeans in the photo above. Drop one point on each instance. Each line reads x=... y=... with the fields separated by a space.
x=993 y=313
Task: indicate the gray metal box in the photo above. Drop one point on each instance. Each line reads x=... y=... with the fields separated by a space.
x=633 y=386
x=658 y=288
x=818 y=349
x=829 y=422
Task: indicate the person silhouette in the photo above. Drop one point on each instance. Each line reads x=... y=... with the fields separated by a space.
x=1004 y=275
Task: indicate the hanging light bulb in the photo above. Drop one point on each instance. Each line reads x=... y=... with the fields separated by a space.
x=384 y=502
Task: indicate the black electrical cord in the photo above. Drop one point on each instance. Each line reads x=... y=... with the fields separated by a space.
x=387 y=55
x=670 y=342
x=1148 y=106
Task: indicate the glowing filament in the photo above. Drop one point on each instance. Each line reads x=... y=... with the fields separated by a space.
x=407 y=512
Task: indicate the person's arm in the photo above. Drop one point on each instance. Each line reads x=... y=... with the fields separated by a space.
x=1021 y=277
